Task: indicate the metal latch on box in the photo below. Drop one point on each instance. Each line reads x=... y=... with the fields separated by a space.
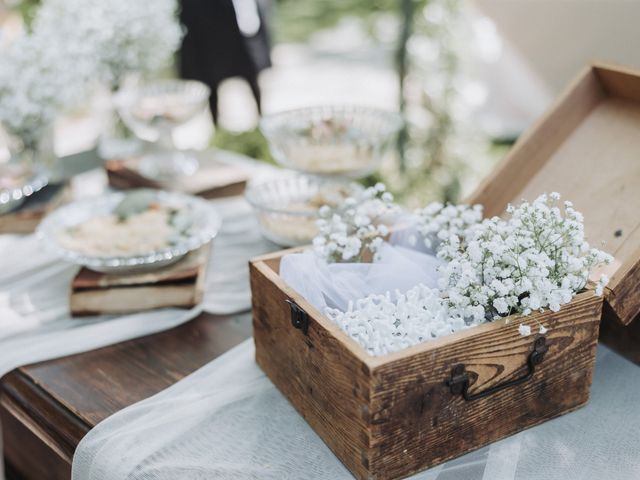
x=299 y=318
x=459 y=380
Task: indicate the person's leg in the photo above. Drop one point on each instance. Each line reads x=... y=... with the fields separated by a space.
x=255 y=89
x=213 y=103
x=196 y=59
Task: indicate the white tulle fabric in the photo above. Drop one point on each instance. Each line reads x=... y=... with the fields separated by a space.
x=227 y=421
x=335 y=285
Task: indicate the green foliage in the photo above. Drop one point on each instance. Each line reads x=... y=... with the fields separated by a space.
x=295 y=20
x=250 y=143
x=27 y=9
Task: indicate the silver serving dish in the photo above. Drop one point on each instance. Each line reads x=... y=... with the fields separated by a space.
x=287 y=207
x=12 y=197
x=205 y=223
x=339 y=141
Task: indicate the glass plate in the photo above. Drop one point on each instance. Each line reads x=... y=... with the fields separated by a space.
x=12 y=197
x=205 y=225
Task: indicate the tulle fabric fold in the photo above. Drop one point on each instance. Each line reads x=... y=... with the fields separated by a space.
x=334 y=285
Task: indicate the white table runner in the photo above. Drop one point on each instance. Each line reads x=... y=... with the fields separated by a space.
x=227 y=421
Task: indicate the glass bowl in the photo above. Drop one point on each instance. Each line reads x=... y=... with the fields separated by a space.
x=344 y=141
x=153 y=111
x=287 y=208
x=14 y=190
x=203 y=225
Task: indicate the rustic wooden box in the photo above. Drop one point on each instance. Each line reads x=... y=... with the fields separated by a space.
x=391 y=416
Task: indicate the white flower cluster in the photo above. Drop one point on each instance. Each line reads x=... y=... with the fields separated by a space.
x=350 y=231
x=111 y=38
x=386 y=323
x=73 y=45
x=536 y=259
x=33 y=88
x=438 y=223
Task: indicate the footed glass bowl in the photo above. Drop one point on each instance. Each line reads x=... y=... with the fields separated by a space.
x=153 y=111
x=198 y=224
x=287 y=208
x=342 y=141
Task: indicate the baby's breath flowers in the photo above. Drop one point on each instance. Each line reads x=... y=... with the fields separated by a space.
x=111 y=39
x=74 y=45
x=534 y=260
x=437 y=223
x=349 y=231
x=386 y=323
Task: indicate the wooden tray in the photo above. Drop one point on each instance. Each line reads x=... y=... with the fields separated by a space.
x=588 y=148
x=214 y=179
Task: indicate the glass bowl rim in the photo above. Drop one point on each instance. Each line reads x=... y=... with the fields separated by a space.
x=129 y=94
x=34 y=184
x=252 y=190
x=269 y=122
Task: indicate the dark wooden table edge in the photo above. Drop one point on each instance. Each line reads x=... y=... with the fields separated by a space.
x=19 y=395
x=36 y=412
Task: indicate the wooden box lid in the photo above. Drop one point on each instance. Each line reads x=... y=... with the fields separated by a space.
x=587 y=148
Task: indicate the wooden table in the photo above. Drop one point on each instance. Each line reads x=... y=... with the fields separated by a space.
x=47 y=408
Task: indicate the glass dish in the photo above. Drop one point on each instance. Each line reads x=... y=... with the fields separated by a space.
x=153 y=111
x=287 y=208
x=15 y=189
x=204 y=224
x=331 y=140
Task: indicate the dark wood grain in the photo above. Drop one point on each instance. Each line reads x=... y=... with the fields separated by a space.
x=624 y=339
x=46 y=408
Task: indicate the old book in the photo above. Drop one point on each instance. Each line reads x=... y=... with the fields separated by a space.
x=214 y=179
x=27 y=216
x=178 y=285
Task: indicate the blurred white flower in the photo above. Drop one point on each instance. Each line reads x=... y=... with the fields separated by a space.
x=111 y=39
x=353 y=228
x=75 y=45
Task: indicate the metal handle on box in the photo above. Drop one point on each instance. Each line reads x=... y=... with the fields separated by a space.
x=459 y=381
x=299 y=318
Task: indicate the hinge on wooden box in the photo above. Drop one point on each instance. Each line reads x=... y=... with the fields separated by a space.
x=459 y=380
x=299 y=318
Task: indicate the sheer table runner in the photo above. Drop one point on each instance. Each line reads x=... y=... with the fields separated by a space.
x=228 y=421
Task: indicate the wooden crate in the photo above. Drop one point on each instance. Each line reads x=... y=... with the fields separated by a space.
x=387 y=417
x=391 y=416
